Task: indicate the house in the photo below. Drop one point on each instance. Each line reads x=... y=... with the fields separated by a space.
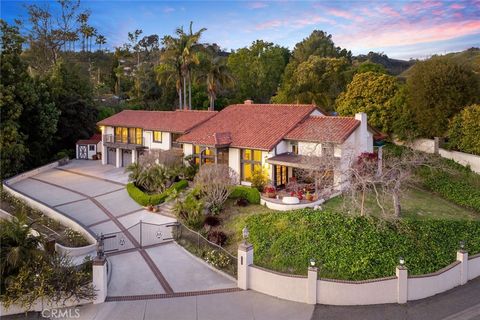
x=274 y=138
x=277 y=138
x=89 y=148
x=127 y=134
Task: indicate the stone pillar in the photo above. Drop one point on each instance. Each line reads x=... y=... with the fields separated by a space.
x=436 y=145
x=462 y=256
x=134 y=156
x=118 y=158
x=100 y=282
x=402 y=284
x=104 y=154
x=312 y=285
x=245 y=258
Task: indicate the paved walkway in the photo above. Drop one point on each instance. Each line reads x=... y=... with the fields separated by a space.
x=83 y=191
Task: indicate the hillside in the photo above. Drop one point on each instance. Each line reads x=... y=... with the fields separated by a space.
x=393 y=66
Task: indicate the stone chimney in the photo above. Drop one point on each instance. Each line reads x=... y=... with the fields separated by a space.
x=248 y=102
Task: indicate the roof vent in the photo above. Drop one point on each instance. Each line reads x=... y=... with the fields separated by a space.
x=248 y=102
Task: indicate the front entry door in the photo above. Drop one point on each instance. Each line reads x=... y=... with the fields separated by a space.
x=82 y=152
x=281 y=176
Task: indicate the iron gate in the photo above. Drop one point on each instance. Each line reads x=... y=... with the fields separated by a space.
x=142 y=234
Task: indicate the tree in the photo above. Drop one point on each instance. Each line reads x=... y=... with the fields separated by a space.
x=374 y=94
x=257 y=70
x=319 y=80
x=322 y=69
x=437 y=90
x=169 y=69
x=216 y=76
x=72 y=93
x=464 y=130
x=16 y=91
x=215 y=183
x=100 y=40
x=369 y=66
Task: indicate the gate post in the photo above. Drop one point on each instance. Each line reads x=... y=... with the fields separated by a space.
x=402 y=284
x=244 y=260
x=100 y=278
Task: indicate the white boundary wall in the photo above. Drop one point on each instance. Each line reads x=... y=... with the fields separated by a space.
x=428 y=146
x=395 y=289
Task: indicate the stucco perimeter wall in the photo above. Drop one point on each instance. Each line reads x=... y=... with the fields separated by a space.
x=424 y=286
x=55 y=215
x=474 y=267
x=337 y=292
x=463 y=158
x=31 y=173
x=279 y=285
x=39 y=305
x=76 y=252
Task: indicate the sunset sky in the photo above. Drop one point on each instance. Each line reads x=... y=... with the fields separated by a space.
x=401 y=29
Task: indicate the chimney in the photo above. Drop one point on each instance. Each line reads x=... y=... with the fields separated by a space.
x=364 y=144
x=248 y=102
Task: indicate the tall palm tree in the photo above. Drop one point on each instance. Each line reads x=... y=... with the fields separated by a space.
x=100 y=40
x=170 y=67
x=190 y=47
x=217 y=76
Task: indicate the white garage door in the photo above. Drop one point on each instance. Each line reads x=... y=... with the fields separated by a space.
x=111 y=156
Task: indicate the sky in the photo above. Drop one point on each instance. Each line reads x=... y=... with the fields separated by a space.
x=400 y=29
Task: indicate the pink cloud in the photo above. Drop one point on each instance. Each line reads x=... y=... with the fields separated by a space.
x=257 y=5
x=293 y=23
x=404 y=33
x=416 y=7
x=388 y=11
x=457 y=6
x=340 y=13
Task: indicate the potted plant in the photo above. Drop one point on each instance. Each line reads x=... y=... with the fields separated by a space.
x=308 y=196
x=149 y=207
x=270 y=191
x=300 y=195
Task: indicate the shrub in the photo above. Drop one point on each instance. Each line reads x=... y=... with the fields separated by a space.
x=217 y=259
x=190 y=212
x=211 y=221
x=355 y=247
x=215 y=183
x=217 y=237
x=145 y=199
x=251 y=194
x=259 y=179
x=463 y=130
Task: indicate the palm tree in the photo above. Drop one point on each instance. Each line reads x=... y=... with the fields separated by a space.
x=189 y=49
x=19 y=245
x=217 y=77
x=100 y=40
x=170 y=67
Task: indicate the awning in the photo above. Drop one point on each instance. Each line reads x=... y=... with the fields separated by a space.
x=294 y=160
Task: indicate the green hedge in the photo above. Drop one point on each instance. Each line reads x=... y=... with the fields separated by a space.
x=354 y=247
x=250 y=194
x=145 y=199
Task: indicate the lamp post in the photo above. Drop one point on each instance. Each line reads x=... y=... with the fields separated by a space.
x=462 y=245
x=100 y=247
x=401 y=261
x=312 y=263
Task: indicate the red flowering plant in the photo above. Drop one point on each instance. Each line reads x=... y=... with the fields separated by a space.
x=270 y=191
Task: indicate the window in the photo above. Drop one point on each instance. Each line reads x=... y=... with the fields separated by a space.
x=176 y=144
x=91 y=147
x=129 y=135
x=294 y=147
x=203 y=155
x=251 y=160
x=157 y=136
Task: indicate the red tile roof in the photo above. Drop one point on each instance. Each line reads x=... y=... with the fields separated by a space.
x=168 y=121
x=324 y=129
x=94 y=139
x=256 y=126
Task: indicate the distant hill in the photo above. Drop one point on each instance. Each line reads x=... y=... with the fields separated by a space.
x=394 y=66
x=467 y=57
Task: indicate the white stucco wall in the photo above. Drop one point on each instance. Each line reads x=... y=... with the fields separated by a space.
x=426 y=286
x=282 y=147
x=187 y=149
x=234 y=160
x=357 y=292
x=474 y=267
x=164 y=145
x=309 y=148
x=277 y=285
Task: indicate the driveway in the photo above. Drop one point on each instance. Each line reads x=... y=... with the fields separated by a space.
x=95 y=196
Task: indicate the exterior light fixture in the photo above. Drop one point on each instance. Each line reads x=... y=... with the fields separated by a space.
x=401 y=260
x=462 y=245
x=245 y=233
x=312 y=262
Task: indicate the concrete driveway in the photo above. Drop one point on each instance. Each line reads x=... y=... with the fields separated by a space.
x=95 y=196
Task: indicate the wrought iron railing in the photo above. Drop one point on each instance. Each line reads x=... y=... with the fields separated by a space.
x=212 y=253
x=110 y=138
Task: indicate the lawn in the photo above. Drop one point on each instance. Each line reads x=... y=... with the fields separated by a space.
x=416 y=204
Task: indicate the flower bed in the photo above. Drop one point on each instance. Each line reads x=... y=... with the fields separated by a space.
x=145 y=199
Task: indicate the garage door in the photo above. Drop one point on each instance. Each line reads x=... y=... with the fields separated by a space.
x=127 y=157
x=111 y=156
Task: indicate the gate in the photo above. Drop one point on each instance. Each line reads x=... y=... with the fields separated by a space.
x=82 y=151
x=142 y=234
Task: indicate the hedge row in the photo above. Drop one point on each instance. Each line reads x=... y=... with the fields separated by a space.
x=250 y=194
x=354 y=247
x=145 y=199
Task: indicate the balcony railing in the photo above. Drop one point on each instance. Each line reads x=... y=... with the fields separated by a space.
x=119 y=140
